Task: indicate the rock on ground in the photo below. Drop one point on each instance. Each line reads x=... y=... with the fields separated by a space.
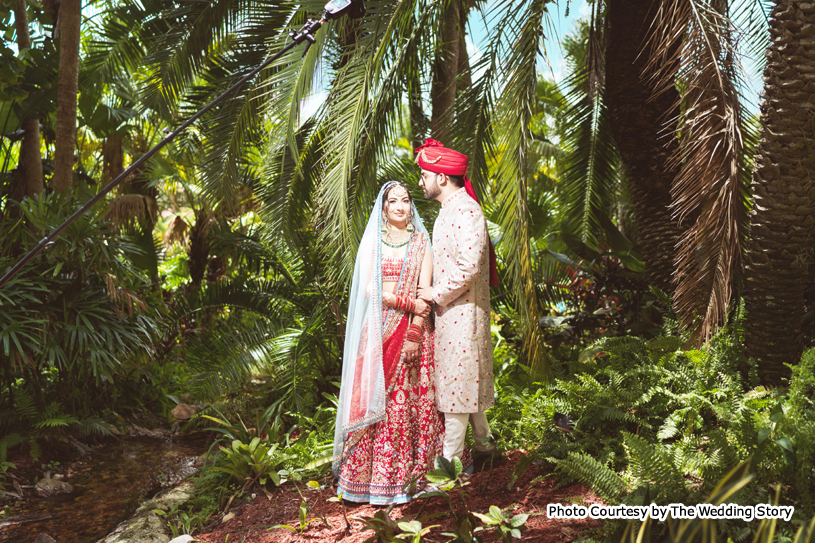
x=183 y=411
x=145 y=526
x=50 y=487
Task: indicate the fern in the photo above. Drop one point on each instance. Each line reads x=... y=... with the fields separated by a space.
x=25 y=405
x=805 y=452
x=654 y=466
x=605 y=483
x=7 y=418
x=94 y=426
x=56 y=420
x=7 y=442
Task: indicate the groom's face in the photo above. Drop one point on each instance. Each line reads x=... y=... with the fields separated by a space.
x=429 y=183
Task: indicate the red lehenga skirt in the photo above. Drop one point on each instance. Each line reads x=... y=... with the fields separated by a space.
x=386 y=456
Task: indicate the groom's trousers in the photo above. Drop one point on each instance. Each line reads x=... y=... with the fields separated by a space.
x=455 y=428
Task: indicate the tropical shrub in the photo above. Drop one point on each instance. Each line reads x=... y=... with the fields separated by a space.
x=29 y=427
x=648 y=421
x=71 y=322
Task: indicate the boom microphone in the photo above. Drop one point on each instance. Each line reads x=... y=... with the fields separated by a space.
x=335 y=9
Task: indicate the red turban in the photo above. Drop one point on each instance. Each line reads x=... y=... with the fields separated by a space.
x=434 y=157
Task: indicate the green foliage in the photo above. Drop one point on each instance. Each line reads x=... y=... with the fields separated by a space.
x=697 y=529
x=387 y=530
x=209 y=489
x=180 y=521
x=604 y=481
x=503 y=526
x=249 y=455
x=413 y=531
x=252 y=462
x=652 y=422
x=448 y=476
x=73 y=319
x=384 y=528
x=446 y=472
x=280 y=326
x=4 y=467
x=26 y=426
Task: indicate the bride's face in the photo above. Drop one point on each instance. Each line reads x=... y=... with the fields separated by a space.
x=398 y=207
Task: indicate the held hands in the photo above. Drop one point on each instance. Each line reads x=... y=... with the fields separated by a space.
x=422 y=308
x=413 y=341
x=417 y=307
x=425 y=293
x=413 y=351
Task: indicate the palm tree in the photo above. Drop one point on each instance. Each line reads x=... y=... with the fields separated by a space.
x=664 y=78
x=69 y=24
x=30 y=155
x=638 y=121
x=780 y=248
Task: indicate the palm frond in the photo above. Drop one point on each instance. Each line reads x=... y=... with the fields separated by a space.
x=692 y=41
x=472 y=133
x=289 y=182
x=198 y=32
x=591 y=162
x=119 y=39
x=514 y=114
x=590 y=165
x=361 y=120
x=224 y=362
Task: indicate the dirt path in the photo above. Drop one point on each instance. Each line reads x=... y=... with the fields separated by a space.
x=528 y=495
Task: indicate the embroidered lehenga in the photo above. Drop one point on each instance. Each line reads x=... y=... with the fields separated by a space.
x=389 y=431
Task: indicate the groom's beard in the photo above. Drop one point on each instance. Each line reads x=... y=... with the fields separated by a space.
x=431 y=191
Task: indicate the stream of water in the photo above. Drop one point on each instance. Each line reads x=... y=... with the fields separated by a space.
x=107 y=490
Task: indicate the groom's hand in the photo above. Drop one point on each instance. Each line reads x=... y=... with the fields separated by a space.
x=426 y=294
x=422 y=308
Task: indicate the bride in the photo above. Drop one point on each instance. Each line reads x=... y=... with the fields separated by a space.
x=388 y=430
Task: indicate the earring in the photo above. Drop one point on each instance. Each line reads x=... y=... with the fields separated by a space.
x=409 y=225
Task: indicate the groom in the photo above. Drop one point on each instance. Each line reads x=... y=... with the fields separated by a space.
x=463 y=271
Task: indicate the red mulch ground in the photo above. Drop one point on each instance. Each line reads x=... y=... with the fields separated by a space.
x=251 y=521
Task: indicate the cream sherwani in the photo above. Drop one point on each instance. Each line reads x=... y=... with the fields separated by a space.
x=464 y=380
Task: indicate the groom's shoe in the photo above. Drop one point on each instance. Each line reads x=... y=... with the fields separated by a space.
x=483 y=455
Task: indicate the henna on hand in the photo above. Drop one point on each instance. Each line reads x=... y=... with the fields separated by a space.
x=412 y=351
x=422 y=308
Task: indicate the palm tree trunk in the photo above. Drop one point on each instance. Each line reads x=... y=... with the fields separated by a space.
x=464 y=80
x=113 y=157
x=418 y=119
x=443 y=90
x=779 y=250
x=30 y=156
x=198 y=255
x=70 y=17
x=638 y=125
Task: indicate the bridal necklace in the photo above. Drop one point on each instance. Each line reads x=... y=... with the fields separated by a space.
x=395 y=240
